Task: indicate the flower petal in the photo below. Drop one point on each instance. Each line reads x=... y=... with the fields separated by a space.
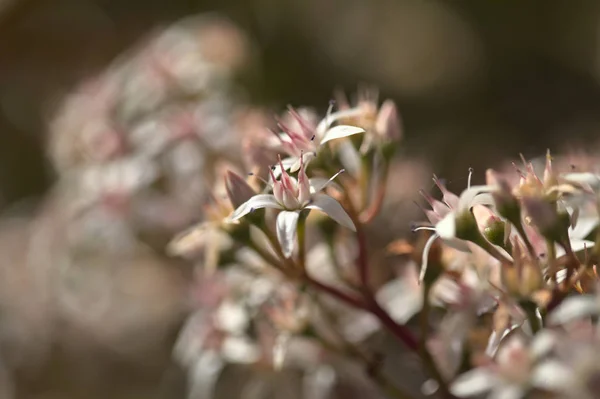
x=467 y=197
x=333 y=209
x=543 y=343
x=190 y=240
x=287 y=164
x=257 y=202
x=574 y=308
x=473 y=382
x=331 y=118
x=551 y=375
x=507 y=392
x=446 y=228
x=337 y=132
x=590 y=179
x=319 y=183
x=287 y=221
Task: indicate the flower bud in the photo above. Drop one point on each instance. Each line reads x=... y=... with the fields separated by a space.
x=495 y=231
x=544 y=215
x=532 y=279
x=238 y=190
x=466 y=227
x=509 y=275
x=388 y=123
x=506 y=203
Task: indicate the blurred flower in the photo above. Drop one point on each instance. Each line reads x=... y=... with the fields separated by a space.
x=515 y=370
x=383 y=124
x=303 y=140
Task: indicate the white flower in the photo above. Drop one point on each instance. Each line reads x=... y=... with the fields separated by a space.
x=575 y=307
x=514 y=373
x=574 y=374
x=292 y=197
x=303 y=145
x=452 y=214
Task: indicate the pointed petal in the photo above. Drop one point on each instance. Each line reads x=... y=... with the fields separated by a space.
x=331 y=118
x=574 y=308
x=319 y=183
x=287 y=164
x=401 y=299
x=238 y=190
x=468 y=196
x=333 y=209
x=473 y=382
x=543 y=343
x=589 y=179
x=507 y=392
x=287 y=222
x=583 y=226
x=337 y=132
x=552 y=375
x=189 y=241
x=257 y=202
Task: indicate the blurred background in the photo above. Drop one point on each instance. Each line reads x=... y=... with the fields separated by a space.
x=476 y=82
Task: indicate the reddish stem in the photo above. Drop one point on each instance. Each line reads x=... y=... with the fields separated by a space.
x=334 y=292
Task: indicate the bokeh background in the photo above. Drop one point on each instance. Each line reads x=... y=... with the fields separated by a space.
x=477 y=83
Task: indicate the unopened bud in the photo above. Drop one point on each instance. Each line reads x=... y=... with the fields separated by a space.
x=511 y=280
x=388 y=123
x=495 y=231
x=531 y=278
x=544 y=215
x=238 y=190
x=506 y=203
x=466 y=227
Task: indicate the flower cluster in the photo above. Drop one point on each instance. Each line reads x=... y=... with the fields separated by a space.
x=290 y=271
x=513 y=265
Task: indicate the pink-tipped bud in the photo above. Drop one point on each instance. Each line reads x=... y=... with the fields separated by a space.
x=388 y=123
x=238 y=190
x=277 y=187
x=286 y=180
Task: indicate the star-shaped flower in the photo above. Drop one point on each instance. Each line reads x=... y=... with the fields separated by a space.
x=292 y=196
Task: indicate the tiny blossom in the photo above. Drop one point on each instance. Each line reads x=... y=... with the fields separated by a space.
x=212 y=235
x=452 y=211
x=382 y=124
x=514 y=372
x=302 y=140
x=292 y=196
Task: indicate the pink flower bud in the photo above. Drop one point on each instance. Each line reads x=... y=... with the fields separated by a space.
x=238 y=190
x=388 y=123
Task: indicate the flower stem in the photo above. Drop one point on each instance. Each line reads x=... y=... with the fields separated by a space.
x=301 y=231
x=425 y=355
x=336 y=293
x=375 y=206
x=530 y=309
x=372 y=366
x=525 y=238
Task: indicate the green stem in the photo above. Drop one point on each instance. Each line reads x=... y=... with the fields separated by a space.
x=301 y=231
x=530 y=309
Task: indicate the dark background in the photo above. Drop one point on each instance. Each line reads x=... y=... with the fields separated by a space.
x=476 y=81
